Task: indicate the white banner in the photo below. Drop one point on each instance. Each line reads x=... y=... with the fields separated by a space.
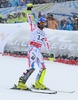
x=63 y=42
x=15 y=37
x=10 y=31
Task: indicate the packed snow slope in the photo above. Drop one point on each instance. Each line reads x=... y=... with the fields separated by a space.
x=59 y=77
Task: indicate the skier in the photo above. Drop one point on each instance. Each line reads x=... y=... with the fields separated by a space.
x=37 y=40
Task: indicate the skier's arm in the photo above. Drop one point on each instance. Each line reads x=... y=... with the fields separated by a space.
x=32 y=25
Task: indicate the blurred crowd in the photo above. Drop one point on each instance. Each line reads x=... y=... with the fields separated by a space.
x=17 y=16
x=4 y=3
x=68 y=23
x=13 y=3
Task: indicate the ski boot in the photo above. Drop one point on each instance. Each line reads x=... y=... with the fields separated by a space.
x=22 y=86
x=39 y=81
x=39 y=86
x=23 y=79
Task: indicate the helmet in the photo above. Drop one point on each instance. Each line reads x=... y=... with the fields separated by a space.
x=41 y=19
x=41 y=22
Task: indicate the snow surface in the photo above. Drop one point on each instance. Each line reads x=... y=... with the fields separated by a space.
x=58 y=77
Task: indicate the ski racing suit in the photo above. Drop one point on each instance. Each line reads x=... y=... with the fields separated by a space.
x=37 y=40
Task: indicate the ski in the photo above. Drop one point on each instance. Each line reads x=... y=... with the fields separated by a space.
x=34 y=91
x=47 y=90
x=44 y=92
x=61 y=91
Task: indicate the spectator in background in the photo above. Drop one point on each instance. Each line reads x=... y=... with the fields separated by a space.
x=14 y=3
x=75 y=23
x=1 y=19
x=14 y=17
x=66 y=24
x=52 y=24
x=61 y=23
x=24 y=17
x=39 y=14
x=4 y=3
x=19 y=18
x=22 y=2
x=10 y=18
x=70 y=24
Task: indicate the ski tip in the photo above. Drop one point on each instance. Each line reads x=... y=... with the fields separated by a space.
x=55 y=92
x=15 y=87
x=72 y=91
